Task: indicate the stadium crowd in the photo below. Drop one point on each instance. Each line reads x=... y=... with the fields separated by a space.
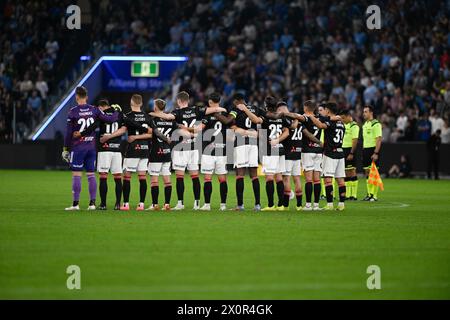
x=296 y=50
x=29 y=49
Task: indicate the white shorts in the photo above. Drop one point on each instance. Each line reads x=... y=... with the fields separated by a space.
x=185 y=159
x=159 y=168
x=108 y=160
x=273 y=164
x=292 y=168
x=312 y=161
x=214 y=164
x=246 y=156
x=135 y=164
x=333 y=167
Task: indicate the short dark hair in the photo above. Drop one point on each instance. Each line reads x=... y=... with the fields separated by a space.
x=270 y=102
x=103 y=103
x=332 y=106
x=81 y=92
x=368 y=107
x=238 y=96
x=344 y=112
x=214 y=97
x=183 y=96
x=282 y=103
x=310 y=105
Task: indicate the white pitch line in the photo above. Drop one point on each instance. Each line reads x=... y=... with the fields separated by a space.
x=395 y=205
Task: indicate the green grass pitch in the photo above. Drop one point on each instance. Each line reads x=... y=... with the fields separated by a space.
x=187 y=255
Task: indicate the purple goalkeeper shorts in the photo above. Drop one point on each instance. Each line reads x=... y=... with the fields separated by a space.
x=83 y=159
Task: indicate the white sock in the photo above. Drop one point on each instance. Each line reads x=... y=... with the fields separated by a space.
x=180 y=202
x=308 y=204
x=196 y=203
x=315 y=205
x=340 y=203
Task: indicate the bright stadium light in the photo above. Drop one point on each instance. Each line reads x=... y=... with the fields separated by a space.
x=96 y=65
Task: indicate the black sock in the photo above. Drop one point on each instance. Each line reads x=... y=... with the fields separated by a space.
x=308 y=191
x=207 y=190
x=342 y=190
x=347 y=179
x=240 y=191
x=355 y=178
x=155 y=194
x=75 y=203
x=223 y=192
x=167 y=194
x=142 y=190
x=286 y=196
x=180 y=188
x=256 y=191
x=270 y=190
x=280 y=192
x=317 y=190
x=299 y=199
x=329 y=193
x=92 y=202
x=126 y=190
x=103 y=188
x=196 y=187
x=118 y=182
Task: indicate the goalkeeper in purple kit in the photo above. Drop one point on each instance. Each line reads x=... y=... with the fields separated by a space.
x=81 y=152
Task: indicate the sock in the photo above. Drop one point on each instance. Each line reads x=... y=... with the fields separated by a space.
x=223 y=191
x=375 y=191
x=308 y=191
x=155 y=193
x=118 y=182
x=126 y=190
x=167 y=193
x=256 y=190
x=317 y=189
x=92 y=182
x=103 y=188
x=299 y=199
x=270 y=190
x=207 y=191
x=196 y=186
x=180 y=188
x=355 y=186
x=142 y=188
x=322 y=184
x=348 y=186
x=280 y=192
x=329 y=193
x=342 y=191
x=240 y=190
x=368 y=186
x=286 y=195
x=76 y=189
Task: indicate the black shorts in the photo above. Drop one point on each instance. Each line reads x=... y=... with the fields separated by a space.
x=352 y=163
x=367 y=158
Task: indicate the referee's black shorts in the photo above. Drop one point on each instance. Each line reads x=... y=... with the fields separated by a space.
x=367 y=158
x=352 y=163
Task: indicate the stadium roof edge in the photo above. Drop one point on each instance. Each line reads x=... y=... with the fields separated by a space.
x=63 y=101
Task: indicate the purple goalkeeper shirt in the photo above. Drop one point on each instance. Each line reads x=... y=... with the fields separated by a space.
x=79 y=119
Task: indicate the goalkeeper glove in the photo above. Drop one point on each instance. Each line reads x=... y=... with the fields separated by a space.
x=65 y=155
x=116 y=107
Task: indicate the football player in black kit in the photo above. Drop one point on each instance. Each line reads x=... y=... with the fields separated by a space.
x=333 y=158
x=160 y=156
x=108 y=147
x=185 y=154
x=292 y=149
